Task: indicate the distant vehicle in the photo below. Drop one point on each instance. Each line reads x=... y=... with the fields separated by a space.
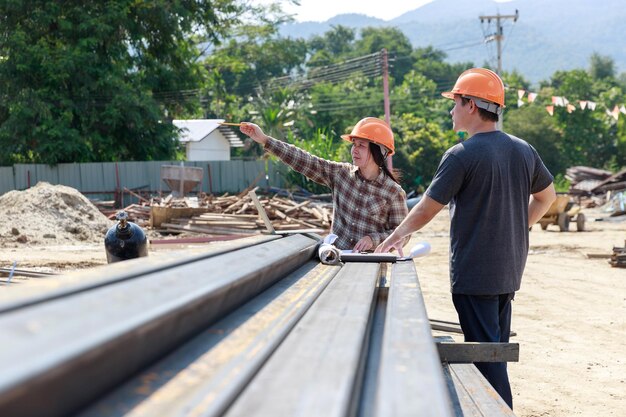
x=563 y=211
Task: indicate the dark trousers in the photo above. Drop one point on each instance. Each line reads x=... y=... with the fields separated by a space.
x=487 y=318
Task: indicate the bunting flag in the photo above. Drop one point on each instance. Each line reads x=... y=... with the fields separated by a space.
x=615 y=112
x=560 y=101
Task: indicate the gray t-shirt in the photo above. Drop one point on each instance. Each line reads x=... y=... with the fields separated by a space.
x=488 y=180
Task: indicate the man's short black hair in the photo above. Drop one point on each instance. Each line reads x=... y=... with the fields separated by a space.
x=485 y=115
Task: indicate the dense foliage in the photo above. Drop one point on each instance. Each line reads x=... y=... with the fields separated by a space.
x=95 y=80
x=100 y=81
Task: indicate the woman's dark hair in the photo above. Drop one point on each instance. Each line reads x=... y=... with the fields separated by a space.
x=381 y=161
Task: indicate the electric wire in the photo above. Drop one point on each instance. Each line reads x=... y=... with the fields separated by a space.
x=506 y=42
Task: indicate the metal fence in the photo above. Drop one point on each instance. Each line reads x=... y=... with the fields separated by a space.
x=107 y=179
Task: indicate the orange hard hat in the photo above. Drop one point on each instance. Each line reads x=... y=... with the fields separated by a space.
x=374 y=130
x=480 y=83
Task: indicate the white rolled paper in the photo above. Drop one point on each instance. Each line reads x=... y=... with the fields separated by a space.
x=328 y=254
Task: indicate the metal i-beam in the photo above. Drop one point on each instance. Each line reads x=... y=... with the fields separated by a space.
x=410 y=378
x=205 y=375
x=316 y=370
x=80 y=281
x=72 y=348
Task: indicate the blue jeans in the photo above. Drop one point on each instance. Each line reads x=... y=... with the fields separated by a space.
x=487 y=318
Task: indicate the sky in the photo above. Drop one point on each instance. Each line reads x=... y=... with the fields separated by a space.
x=322 y=10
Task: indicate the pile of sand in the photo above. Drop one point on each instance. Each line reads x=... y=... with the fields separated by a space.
x=50 y=215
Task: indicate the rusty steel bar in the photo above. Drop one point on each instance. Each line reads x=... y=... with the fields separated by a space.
x=75 y=347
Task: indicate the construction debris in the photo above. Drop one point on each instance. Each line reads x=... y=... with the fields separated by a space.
x=584 y=179
x=597 y=187
x=235 y=214
x=614 y=182
x=616 y=203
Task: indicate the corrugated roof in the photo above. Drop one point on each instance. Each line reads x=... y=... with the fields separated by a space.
x=194 y=130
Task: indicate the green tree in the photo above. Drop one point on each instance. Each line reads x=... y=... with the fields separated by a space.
x=338 y=106
x=319 y=144
x=94 y=80
x=397 y=44
x=588 y=138
x=415 y=95
x=430 y=62
x=537 y=127
x=514 y=81
x=601 y=67
x=332 y=46
x=420 y=144
x=253 y=62
x=276 y=111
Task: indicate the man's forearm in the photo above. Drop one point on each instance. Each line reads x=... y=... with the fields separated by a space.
x=536 y=210
x=540 y=203
x=418 y=217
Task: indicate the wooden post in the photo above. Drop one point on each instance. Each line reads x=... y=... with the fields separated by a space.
x=262 y=213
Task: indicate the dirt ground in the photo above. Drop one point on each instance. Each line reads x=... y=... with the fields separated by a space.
x=569 y=316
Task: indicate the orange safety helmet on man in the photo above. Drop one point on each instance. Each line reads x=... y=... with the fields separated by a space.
x=374 y=130
x=484 y=86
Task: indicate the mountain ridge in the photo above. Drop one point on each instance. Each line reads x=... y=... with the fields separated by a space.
x=548 y=36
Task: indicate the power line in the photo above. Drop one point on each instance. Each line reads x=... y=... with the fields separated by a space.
x=370 y=65
x=498 y=35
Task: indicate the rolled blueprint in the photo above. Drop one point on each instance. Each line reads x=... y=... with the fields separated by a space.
x=328 y=254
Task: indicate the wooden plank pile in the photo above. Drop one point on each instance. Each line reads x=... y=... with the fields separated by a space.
x=237 y=214
x=584 y=179
x=138 y=213
x=618 y=258
x=224 y=215
x=614 y=182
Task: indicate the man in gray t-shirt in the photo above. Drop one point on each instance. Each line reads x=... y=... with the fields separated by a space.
x=497 y=187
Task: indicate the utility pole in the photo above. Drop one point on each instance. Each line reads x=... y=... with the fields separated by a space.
x=498 y=36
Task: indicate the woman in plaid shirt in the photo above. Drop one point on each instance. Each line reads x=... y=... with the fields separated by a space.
x=368 y=201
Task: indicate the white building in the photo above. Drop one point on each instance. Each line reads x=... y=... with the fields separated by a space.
x=206 y=139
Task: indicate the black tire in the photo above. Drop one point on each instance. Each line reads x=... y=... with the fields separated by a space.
x=563 y=222
x=580 y=222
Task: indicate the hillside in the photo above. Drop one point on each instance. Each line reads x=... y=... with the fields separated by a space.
x=549 y=36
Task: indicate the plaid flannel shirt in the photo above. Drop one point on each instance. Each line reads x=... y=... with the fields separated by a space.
x=360 y=207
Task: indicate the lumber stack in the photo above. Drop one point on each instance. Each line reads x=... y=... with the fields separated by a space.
x=237 y=214
x=137 y=213
x=618 y=258
x=584 y=179
x=225 y=214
